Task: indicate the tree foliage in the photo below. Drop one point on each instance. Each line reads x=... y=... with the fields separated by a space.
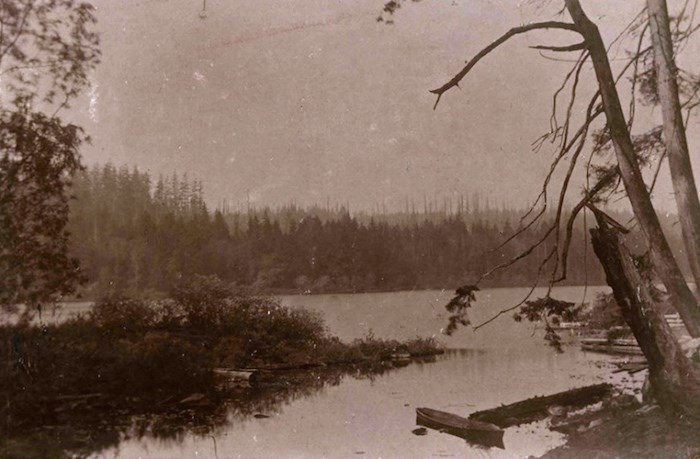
x=135 y=234
x=38 y=154
x=47 y=51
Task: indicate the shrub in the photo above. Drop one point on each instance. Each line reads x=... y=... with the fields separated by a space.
x=373 y=348
x=205 y=301
x=122 y=315
x=419 y=347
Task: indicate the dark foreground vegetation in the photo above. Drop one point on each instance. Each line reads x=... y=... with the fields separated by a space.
x=130 y=356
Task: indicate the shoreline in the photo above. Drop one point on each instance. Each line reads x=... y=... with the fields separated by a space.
x=298 y=292
x=643 y=432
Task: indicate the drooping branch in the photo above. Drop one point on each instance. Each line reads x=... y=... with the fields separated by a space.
x=578 y=140
x=519 y=256
x=454 y=82
x=572 y=101
x=522 y=229
x=541 y=267
x=592 y=112
x=575 y=70
x=562 y=196
x=582 y=131
x=580 y=136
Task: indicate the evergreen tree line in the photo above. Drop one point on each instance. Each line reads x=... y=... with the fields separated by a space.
x=135 y=236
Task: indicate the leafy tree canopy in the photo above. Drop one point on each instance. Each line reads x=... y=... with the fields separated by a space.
x=47 y=50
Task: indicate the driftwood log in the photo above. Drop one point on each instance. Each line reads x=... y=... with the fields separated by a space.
x=536 y=408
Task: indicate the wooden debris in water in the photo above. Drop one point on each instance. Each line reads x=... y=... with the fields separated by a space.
x=536 y=408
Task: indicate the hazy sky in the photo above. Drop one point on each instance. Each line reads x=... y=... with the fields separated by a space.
x=310 y=100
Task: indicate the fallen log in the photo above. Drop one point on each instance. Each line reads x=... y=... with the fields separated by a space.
x=233 y=378
x=537 y=408
x=612 y=349
x=632 y=367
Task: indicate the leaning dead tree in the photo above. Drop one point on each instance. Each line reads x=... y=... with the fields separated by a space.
x=676 y=379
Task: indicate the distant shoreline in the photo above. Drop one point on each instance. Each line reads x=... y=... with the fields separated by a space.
x=298 y=292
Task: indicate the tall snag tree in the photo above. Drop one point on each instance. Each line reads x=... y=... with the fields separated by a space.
x=47 y=50
x=674 y=377
x=674 y=132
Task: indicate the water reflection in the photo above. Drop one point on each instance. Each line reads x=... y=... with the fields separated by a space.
x=86 y=429
x=338 y=413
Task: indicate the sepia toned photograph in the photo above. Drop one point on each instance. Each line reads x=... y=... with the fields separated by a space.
x=294 y=229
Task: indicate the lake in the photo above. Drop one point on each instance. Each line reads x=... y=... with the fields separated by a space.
x=373 y=417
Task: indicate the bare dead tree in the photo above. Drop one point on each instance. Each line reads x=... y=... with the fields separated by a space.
x=675 y=377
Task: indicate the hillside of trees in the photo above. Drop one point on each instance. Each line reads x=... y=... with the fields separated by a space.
x=139 y=236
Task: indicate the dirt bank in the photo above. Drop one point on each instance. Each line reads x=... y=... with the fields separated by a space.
x=639 y=433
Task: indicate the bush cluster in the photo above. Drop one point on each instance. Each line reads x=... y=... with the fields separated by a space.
x=152 y=350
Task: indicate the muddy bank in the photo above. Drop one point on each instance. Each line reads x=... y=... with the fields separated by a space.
x=639 y=433
x=623 y=427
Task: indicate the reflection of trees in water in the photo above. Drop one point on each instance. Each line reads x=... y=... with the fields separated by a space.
x=86 y=429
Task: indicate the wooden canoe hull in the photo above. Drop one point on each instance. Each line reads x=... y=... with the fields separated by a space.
x=474 y=432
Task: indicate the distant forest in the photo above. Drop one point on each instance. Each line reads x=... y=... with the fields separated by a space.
x=136 y=236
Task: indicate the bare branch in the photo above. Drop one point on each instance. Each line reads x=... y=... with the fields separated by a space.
x=574 y=87
x=591 y=114
x=576 y=69
x=527 y=297
x=511 y=33
x=583 y=130
x=518 y=257
x=562 y=49
x=628 y=28
x=522 y=229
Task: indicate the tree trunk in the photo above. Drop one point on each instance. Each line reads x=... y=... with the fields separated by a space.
x=675 y=379
x=675 y=138
x=681 y=296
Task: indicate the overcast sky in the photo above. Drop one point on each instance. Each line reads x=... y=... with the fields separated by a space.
x=309 y=100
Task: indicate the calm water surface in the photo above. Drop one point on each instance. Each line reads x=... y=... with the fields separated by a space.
x=373 y=418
